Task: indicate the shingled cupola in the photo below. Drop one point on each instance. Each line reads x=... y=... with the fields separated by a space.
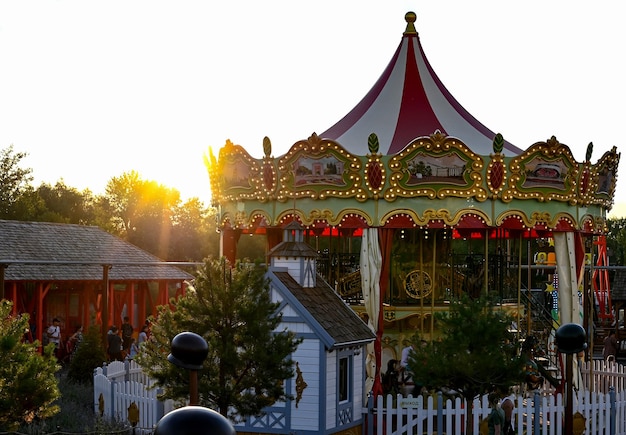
x=295 y=255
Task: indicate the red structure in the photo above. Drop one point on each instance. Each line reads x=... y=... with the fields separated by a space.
x=82 y=276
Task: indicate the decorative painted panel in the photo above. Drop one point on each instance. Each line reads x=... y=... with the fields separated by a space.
x=547 y=171
x=319 y=169
x=436 y=167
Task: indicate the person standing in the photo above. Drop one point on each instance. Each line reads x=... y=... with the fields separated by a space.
x=495 y=420
x=407 y=377
x=115 y=345
x=143 y=335
x=54 y=335
x=127 y=333
x=75 y=340
x=508 y=405
x=133 y=350
x=610 y=346
x=391 y=384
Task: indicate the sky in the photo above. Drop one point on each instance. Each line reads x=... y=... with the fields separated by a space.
x=93 y=89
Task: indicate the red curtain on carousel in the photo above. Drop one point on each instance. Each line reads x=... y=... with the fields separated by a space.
x=385 y=240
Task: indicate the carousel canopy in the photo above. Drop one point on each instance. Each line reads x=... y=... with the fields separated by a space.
x=409 y=101
x=409 y=155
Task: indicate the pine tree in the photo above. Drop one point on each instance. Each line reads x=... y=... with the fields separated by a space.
x=476 y=354
x=248 y=359
x=28 y=386
x=89 y=355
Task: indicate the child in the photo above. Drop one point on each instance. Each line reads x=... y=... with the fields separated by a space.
x=133 y=349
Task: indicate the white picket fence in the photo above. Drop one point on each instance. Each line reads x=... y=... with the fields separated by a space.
x=603 y=414
x=599 y=375
x=118 y=385
x=602 y=402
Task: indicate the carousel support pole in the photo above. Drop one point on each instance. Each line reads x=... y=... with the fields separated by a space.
x=591 y=327
x=486 y=264
x=529 y=278
x=421 y=267
x=432 y=285
x=519 y=285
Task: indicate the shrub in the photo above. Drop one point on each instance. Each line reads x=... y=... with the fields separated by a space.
x=89 y=355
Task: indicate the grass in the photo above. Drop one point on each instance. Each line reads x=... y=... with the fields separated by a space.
x=77 y=414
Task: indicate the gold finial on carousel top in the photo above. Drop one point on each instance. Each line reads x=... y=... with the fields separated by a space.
x=410 y=23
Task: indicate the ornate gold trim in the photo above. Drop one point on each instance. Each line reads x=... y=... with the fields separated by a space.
x=417 y=284
x=415 y=172
x=300 y=384
x=333 y=172
x=546 y=171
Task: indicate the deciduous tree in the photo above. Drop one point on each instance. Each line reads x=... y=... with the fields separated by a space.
x=66 y=204
x=142 y=211
x=194 y=235
x=14 y=180
x=616 y=241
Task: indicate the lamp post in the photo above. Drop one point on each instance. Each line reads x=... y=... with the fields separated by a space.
x=570 y=339
x=189 y=350
x=194 y=420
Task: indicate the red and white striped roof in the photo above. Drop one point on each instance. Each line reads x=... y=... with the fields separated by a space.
x=409 y=101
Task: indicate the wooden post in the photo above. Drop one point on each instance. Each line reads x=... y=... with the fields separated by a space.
x=569 y=403
x=2 y=267
x=194 y=398
x=105 y=302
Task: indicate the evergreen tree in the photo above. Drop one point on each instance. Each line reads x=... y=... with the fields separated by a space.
x=248 y=359
x=89 y=355
x=28 y=386
x=476 y=354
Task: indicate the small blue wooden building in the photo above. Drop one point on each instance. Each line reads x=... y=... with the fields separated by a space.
x=328 y=386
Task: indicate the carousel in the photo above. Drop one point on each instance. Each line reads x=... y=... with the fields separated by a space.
x=411 y=202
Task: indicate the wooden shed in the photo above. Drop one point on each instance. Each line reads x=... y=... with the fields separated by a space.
x=81 y=275
x=328 y=386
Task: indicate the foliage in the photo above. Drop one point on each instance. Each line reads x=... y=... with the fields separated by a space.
x=150 y=216
x=14 y=181
x=142 y=212
x=28 y=386
x=65 y=204
x=248 y=359
x=253 y=247
x=89 y=355
x=476 y=354
x=616 y=241
x=76 y=414
x=193 y=232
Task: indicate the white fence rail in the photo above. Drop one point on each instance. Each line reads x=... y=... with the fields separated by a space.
x=118 y=385
x=602 y=402
x=600 y=375
x=602 y=413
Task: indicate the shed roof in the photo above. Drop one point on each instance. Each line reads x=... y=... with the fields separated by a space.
x=42 y=251
x=340 y=325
